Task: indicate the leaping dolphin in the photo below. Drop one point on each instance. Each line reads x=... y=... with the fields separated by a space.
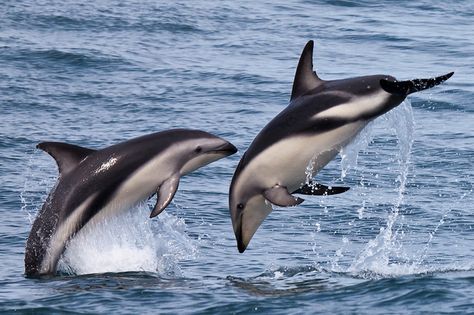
x=322 y=117
x=94 y=184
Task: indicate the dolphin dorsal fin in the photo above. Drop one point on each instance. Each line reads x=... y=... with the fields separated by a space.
x=67 y=156
x=305 y=78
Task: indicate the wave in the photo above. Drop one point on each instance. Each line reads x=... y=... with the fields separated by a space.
x=280 y=281
x=104 y=22
x=76 y=58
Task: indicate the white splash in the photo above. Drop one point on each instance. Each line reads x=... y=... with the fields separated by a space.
x=309 y=171
x=350 y=152
x=40 y=176
x=130 y=242
x=441 y=221
x=375 y=257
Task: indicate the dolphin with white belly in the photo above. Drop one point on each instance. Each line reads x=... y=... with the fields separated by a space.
x=94 y=184
x=322 y=117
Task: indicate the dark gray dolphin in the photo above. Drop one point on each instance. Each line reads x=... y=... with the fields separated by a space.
x=94 y=184
x=322 y=117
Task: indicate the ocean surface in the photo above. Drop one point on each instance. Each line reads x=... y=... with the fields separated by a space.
x=94 y=73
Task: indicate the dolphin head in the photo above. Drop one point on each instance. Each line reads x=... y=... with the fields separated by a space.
x=248 y=207
x=247 y=216
x=204 y=148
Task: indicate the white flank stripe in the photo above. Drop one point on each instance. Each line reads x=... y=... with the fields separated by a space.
x=61 y=236
x=356 y=107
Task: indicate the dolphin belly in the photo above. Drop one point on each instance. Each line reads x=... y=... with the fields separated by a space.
x=298 y=157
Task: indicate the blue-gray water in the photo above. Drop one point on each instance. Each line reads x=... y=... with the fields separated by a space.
x=100 y=72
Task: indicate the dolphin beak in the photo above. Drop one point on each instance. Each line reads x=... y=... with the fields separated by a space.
x=403 y=88
x=227 y=148
x=241 y=245
x=247 y=222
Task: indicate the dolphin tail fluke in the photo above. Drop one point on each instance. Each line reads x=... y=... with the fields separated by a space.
x=317 y=189
x=404 y=88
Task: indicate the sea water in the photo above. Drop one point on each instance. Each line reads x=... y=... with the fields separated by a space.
x=93 y=74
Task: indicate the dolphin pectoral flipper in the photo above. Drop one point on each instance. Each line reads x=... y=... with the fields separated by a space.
x=280 y=196
x=165 y=194
x=317 y=189
x=67 y=156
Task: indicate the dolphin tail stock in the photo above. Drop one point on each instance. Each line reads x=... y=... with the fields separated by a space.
x=317 y=189
x=405 y=88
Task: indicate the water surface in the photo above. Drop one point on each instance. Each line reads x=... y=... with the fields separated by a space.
x=400 y=241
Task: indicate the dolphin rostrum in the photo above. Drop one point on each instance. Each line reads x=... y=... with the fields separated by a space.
x=94 y=184
x=322 y=117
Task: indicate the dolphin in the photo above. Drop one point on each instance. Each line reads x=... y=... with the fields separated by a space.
x=322 y=117
x=95 y=184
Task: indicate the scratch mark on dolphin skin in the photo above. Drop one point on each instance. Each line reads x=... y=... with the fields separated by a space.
x=106 y=165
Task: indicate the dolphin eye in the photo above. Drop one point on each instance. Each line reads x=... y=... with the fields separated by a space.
x=240 y=206
x=198 y=149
